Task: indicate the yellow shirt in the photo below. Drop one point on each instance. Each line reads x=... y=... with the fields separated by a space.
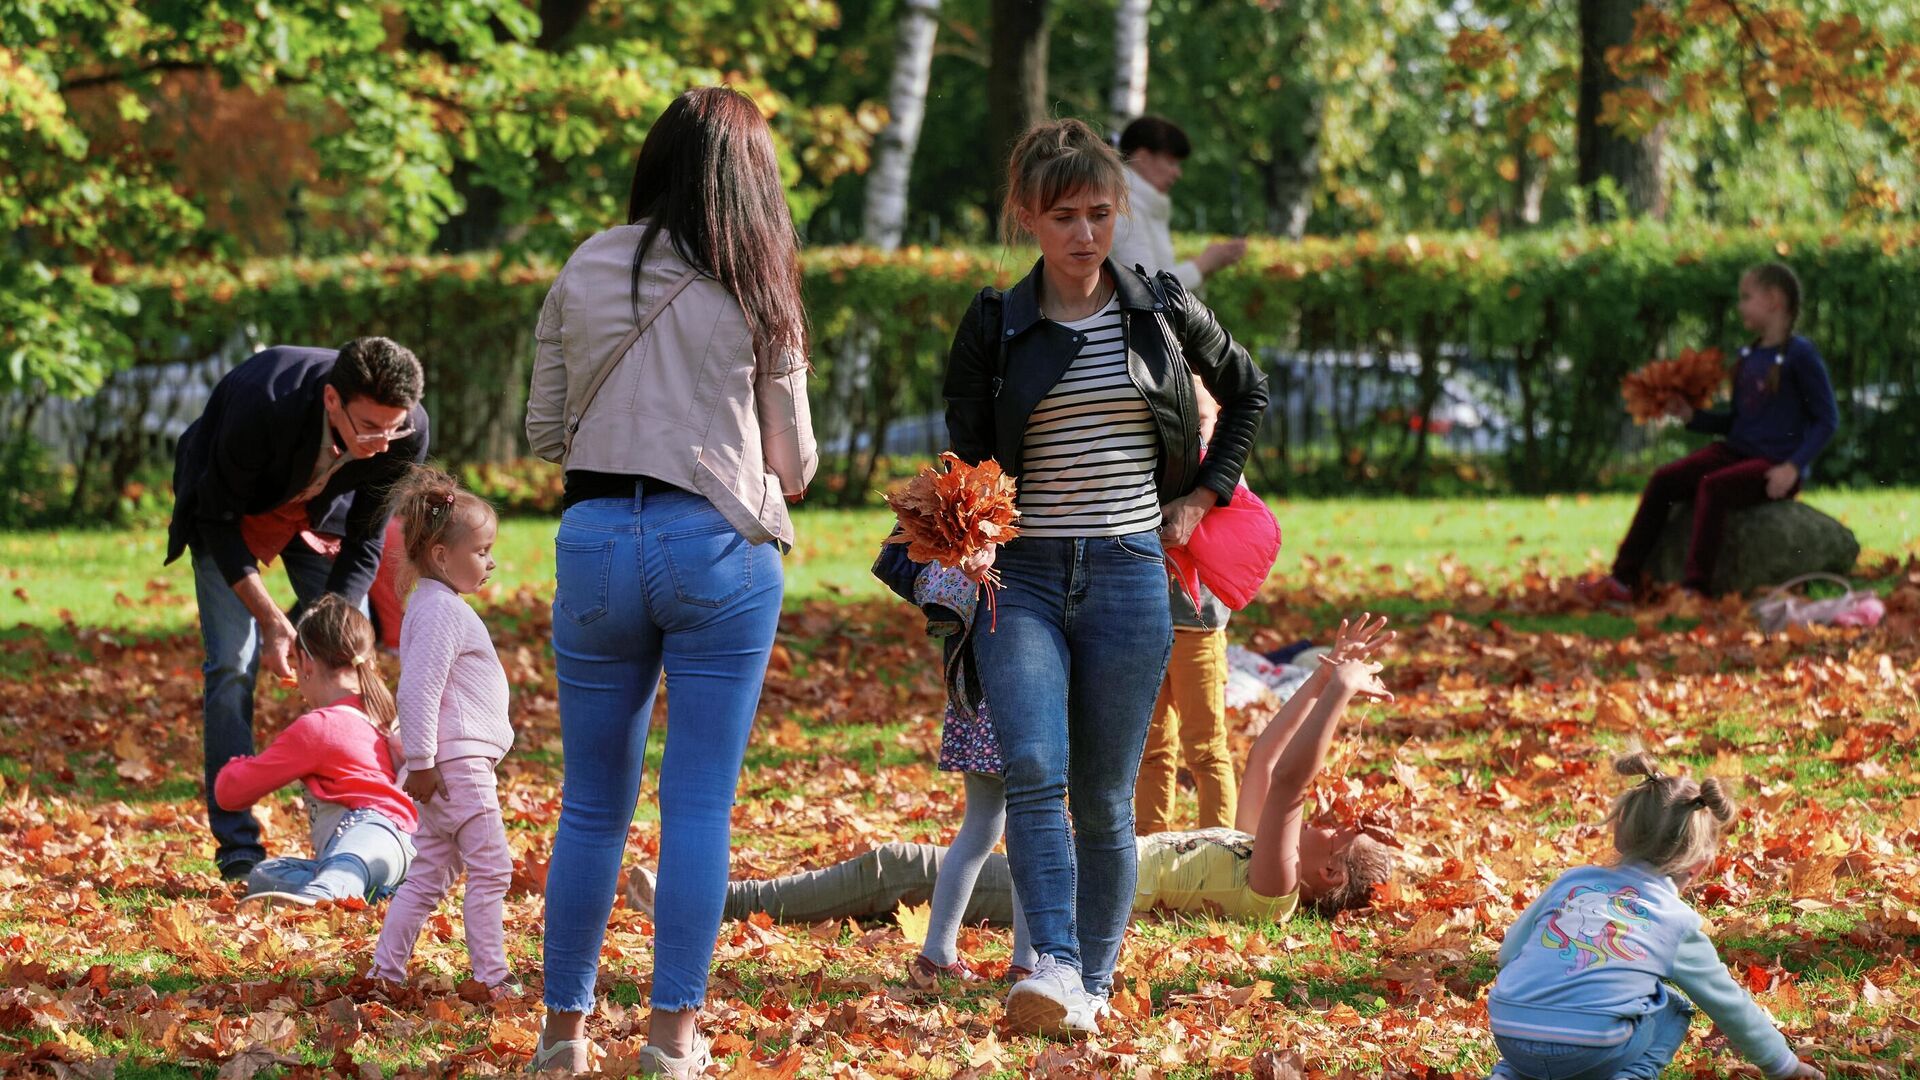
x=1203 y=870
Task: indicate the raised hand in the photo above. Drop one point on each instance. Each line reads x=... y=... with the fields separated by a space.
x=1362 y=640
x=1360 y=678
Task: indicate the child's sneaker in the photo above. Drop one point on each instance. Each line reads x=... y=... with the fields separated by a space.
x=1051 y=1002
x=508 y=990
x=640 y=891
x=695 y=1062
x=924 y=974
x=270 y=897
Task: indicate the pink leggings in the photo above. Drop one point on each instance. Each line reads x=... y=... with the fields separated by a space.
x=461 y=829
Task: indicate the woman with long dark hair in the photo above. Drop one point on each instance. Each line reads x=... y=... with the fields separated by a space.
x=670 y=382
x=1080 y=381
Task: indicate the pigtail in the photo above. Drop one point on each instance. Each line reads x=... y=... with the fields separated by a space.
x=1714 y=799
x=1658 y=820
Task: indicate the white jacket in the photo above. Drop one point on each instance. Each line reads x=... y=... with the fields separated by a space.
x=1145 y=236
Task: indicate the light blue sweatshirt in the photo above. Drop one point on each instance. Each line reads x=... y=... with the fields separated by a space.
x=1586 y=959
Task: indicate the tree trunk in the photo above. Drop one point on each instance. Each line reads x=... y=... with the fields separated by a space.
x=885 y=216
x=1016 y=80
x=1129 y=97
x=1529 y=186
x=479 y=225
x=1294 y=171
x=1633 y=163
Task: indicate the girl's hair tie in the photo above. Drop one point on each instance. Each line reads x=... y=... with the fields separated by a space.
x=358 y=660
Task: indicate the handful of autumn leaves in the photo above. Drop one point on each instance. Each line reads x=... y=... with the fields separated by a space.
x=948 y=517
x=1693 y=376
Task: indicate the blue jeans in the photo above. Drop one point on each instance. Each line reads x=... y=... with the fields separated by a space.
x=1656 y=1038
x=367 y=858
x=1072 y=663
x=231 y=640
x=651 y=581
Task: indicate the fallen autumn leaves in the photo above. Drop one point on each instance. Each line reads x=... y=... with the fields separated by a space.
x=118 y=945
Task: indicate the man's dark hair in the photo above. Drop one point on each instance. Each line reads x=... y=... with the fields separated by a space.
x=379 y=370
x=1158 y=134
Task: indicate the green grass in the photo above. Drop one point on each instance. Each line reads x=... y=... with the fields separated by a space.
x=114 y=580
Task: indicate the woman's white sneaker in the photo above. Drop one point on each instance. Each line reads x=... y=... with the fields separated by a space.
x=1051 y=1002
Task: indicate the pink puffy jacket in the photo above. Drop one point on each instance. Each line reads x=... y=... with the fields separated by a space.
x=1230 y=552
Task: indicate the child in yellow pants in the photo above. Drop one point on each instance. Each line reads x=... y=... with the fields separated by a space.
x=1192 y=709
x=1193 y=704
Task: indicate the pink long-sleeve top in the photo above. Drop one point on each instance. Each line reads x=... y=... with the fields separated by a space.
x=336 y=752
x=453 y=693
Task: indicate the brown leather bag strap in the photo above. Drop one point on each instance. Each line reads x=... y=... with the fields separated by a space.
x=575 y=412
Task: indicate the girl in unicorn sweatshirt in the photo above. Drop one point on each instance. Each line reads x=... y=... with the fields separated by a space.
x=1582 y=989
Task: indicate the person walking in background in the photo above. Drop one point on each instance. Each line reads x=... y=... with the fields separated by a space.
x=291 y=460
x=1156 y=151
x=671 y=383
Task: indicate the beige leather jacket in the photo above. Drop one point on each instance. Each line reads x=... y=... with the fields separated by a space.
x=690 y=403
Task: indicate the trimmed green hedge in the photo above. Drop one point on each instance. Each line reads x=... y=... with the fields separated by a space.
x=1557 y=317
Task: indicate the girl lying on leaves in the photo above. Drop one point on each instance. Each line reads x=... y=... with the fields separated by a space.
x=1261 y=869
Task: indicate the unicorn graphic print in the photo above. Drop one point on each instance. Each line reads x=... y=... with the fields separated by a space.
x=1593 y=926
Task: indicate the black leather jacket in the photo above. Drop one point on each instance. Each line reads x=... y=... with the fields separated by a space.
x=1006 y=357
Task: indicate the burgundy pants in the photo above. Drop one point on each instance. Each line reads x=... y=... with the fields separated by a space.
x=1719 y=480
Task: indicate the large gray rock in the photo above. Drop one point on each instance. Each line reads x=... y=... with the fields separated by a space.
x=1763 y=545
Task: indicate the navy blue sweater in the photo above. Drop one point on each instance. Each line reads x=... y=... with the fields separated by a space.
x=254 y=448
x=1782 y=407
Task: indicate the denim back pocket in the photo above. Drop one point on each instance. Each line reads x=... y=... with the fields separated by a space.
x=581 y=571
x=709 y=562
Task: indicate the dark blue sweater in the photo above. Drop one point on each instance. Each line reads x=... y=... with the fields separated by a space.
x=1782 y=407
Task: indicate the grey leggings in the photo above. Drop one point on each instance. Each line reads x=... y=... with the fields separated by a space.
x=872 y=884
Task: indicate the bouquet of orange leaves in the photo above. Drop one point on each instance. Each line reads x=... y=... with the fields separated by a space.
x=948 y=517
x=1693 y=376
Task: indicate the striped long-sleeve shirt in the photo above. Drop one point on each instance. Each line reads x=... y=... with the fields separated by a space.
x=1091 y=445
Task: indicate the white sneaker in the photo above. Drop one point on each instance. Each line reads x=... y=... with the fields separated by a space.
x=1052 y=1002
x=270 y=897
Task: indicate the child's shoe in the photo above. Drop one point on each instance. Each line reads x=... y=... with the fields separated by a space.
x=507 y=990
x=695 y=1062
x=1052 y=1002
x=270 y=897
x=640 y=891
x=924 y=974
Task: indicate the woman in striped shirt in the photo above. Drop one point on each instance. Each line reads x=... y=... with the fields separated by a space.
x=1079 y=380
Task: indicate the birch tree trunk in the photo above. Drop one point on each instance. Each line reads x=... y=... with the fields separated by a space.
x=885 y=215
x=1129 y=98
x=1016 y=80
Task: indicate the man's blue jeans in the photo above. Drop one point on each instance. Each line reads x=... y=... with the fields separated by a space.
x=656 y=580
x=1072 y=662
x=231 y=640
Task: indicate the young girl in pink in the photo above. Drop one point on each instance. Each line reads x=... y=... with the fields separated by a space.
x=453 y=730
x=361 y=820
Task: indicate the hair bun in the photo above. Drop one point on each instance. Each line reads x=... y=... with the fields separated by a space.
x=1713 y=796
x=1638 y=763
